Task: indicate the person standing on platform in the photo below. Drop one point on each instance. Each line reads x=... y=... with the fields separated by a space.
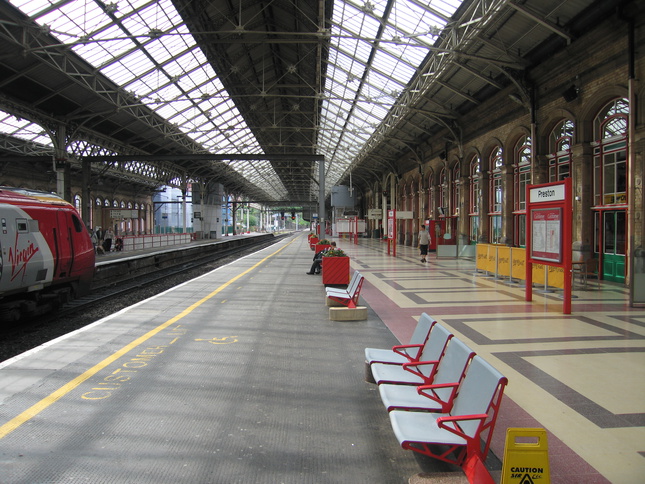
x=424 y=242
x=107 y=239
x=99 y=240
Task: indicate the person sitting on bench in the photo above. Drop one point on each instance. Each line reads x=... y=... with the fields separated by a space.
x=316 y=266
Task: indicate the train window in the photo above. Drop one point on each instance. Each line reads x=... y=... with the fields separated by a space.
x=78 y=226
x=22 y=226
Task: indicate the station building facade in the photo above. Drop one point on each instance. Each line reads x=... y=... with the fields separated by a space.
x=577 y=115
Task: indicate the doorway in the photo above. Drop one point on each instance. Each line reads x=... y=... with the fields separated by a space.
x=611 y=237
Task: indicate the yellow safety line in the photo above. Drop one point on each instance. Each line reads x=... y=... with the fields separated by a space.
x=52 y=398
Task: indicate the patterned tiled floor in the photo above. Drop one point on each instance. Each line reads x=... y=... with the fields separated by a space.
x=579 y=376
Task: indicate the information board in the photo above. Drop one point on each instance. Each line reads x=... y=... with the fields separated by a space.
x=546 y=232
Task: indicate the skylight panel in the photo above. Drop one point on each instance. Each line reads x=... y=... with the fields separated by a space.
x=178 y=107
x=167 y=91
x=141 y=87
x=363 y=50
x=75 y=21
x=352 y=64
x=447 y=7
x=185 y=63
x=329 y=121
x=354 y=20
x=388 y=72
x=23 y=129
x=30 y=7
x=374 y=111
x=413 y=56
x=103 y=47
x=159 y=15
x=339 y=92
x=162 y=50
x=138 y=63
x=197 y=76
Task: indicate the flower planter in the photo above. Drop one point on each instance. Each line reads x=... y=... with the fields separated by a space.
x=335 y=271
x=321 y=247
x=312 y=242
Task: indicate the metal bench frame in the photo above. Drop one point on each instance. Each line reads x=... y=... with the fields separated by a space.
x=347 y=297
x=474 y=411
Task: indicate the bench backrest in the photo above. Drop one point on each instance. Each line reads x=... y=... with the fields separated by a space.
x=422 y=330
x=434 y=349
x=353 y=283
x=452 y=366
x=476 y=393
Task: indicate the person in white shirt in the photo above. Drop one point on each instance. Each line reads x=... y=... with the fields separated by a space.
x=424 y=242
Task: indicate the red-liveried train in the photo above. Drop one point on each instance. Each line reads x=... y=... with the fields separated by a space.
x=46 y=253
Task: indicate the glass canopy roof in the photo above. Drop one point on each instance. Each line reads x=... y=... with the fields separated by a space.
x=145 y=47
x=375 y=50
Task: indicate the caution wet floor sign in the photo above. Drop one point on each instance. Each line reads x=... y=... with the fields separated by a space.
x=526 y=457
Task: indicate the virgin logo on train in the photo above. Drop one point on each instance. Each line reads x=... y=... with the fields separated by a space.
x=20 y=257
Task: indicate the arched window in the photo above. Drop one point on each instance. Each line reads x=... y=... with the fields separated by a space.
x=610 y=154
x=560 y=141
x=495 y=162
x=522 y=178
x=475 y=193
x=456 y=189
x=107 y=203
x=610 y=188
x=78 y=203
x=522 y=171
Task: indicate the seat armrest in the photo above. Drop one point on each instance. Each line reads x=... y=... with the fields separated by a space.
x=412 y=367
x=401 y=350
x=451 y=424
x=446 y=405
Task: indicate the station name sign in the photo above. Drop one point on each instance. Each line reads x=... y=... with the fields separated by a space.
x=554 y=193
x=122 y=214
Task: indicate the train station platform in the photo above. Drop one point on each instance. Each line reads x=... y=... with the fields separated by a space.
x=239 y=376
